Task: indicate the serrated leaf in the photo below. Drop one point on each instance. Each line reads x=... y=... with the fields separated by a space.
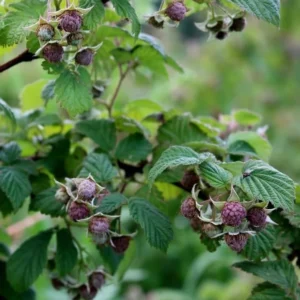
x=48 y=91
x=73 y=90
x=102 y=132
x=157 y=227
x=259 y=245
x=293 y=216
x=5 y=205
x=8 y=112
x=215 y=175
x=124 y=9
x=94 y=17
x=242 y=148
x=246 y=117
x=268 y=291
x=268 y=10
x=27 y=263
x=66 y=252
x=111 y=202
x=134 y=147
x=176 y=156
x=99 y=166
x=279 y=272
x=15 y=184
x=10 y=152
x=235 y=168
x=265 y=183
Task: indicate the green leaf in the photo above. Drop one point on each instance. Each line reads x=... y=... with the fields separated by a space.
x=246 y=117
x=48 y=91
x=261 y=146
x=8 y=112
x=235 y=168
x=267 y=10
x=111 y=202
x=176 y=156
x=10 y=152
x=5 y=205
x=124 y=9
x=157 y=227
x=242 y=148
x=293 y=216
x=95 y=16
x=133 y=148
x=268 y=291
x=66 y=252
x=263 y=182
x=46 y=203
x=279 y=272
x=73 y=90
x=27 y=263
x=259 y=245
x=102 y=132
x=99 y=166
x=15 y=184
x=215 y=175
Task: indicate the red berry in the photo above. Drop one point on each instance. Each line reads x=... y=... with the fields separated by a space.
x=70 y=21
x=78 y=211
x=98 y=225
x=87 y=190
x=121 y=243
x=176 y=11
x=188 y=208
x=84 y=57
x=236 y=242
x=257 y=217
x=53 y=52
x=233 y=213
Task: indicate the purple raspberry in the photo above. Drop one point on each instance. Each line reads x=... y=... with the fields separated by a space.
x=233 y=213
x=196 y=224
x=70 y=21
x=257 y=217
x=84 y=57
x=210 y=229
x=121 y=243
x=78 y=211
x=236 y=242
x=45 y=32
x=53 y=52
x=98 y=225
x=75 y=38
x=238 y=24
x=87 y=190
x=188 y=208
x=97 y=280
x=221 y=35
x=99 y=197
x=87 y=292
x=189 y=179
x=176 y=11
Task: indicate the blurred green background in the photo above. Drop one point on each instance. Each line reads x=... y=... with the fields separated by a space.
x=258 y=69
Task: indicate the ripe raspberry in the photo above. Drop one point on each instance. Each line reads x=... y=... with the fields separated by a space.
x=99 y=197
x=196 y=224
x=121 y=243
x=84 y=57
x=216 y=27
x=78 y=211
x=210 y=230
x=98 y=225
x=53 y=52
x=221 y=35
x=236 y=242
x=176 y=11
x=45 y=32
x=257 y=217
x=233 y=213
x=62 y=196
x=238 y=24
x=97 y=280
x=86 y=190
x=188 y=208
x=189 y=179
x=75 y=38
x=87 y=293
x=70 y=21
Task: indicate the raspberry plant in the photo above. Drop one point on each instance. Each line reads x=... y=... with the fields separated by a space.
x=86 y=164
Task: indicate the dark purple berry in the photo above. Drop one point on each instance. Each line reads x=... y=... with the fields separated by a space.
x=62 y=196
x=57 y=284
x=97 y=280
x=84 y=57
x=221 y=35
x=238 y=24
x=257 y=217
x=45 y=32
x=216 y=27
x=78 y=211
x=121 y=243
x=75 y=38
x=188 y=208
x=210 y=230
x=233 y=213
x=196 y=224
x=176 y=11
x=70 y=21
x=98 y=225
x=236 y=242
x=86 y=190
x=53 y=52
x=189 y=179
x=87 y=293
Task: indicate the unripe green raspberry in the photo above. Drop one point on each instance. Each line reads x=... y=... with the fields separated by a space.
x=53 y=52
x=100 y=239
x=62 y=196
x=86 y=190
x=45 y=32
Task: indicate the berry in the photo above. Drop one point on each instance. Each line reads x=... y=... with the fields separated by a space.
x=75 y=38
x=100 y=238
x=84 y=57
x=196 y=224
x=70 y=21
x=121 y=243
x=157 y=24
x=45 y=32
x=188 y=208
x=221 y=35
x=87 y=293
x=57 y=284
x=86 y=190
x=257 y=217
x=233 y=213
x=210 y=230
x=176 y=11
x=98 y=225
x=238 y=24
x=62 y=196
x=189 y=179
x=97 y=280
x=53 y=52
x=216 y=27
x=236 y=242
x=78 y=211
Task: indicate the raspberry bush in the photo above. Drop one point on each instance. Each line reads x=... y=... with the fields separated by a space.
x=120 y=177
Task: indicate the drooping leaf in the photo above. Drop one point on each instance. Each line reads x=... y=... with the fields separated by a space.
x=246 y=117
x=48 y=91
x=111 y=202
x=8 y=112
x=95 y=16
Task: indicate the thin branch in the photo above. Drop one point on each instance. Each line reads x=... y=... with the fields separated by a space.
x=24 y=56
